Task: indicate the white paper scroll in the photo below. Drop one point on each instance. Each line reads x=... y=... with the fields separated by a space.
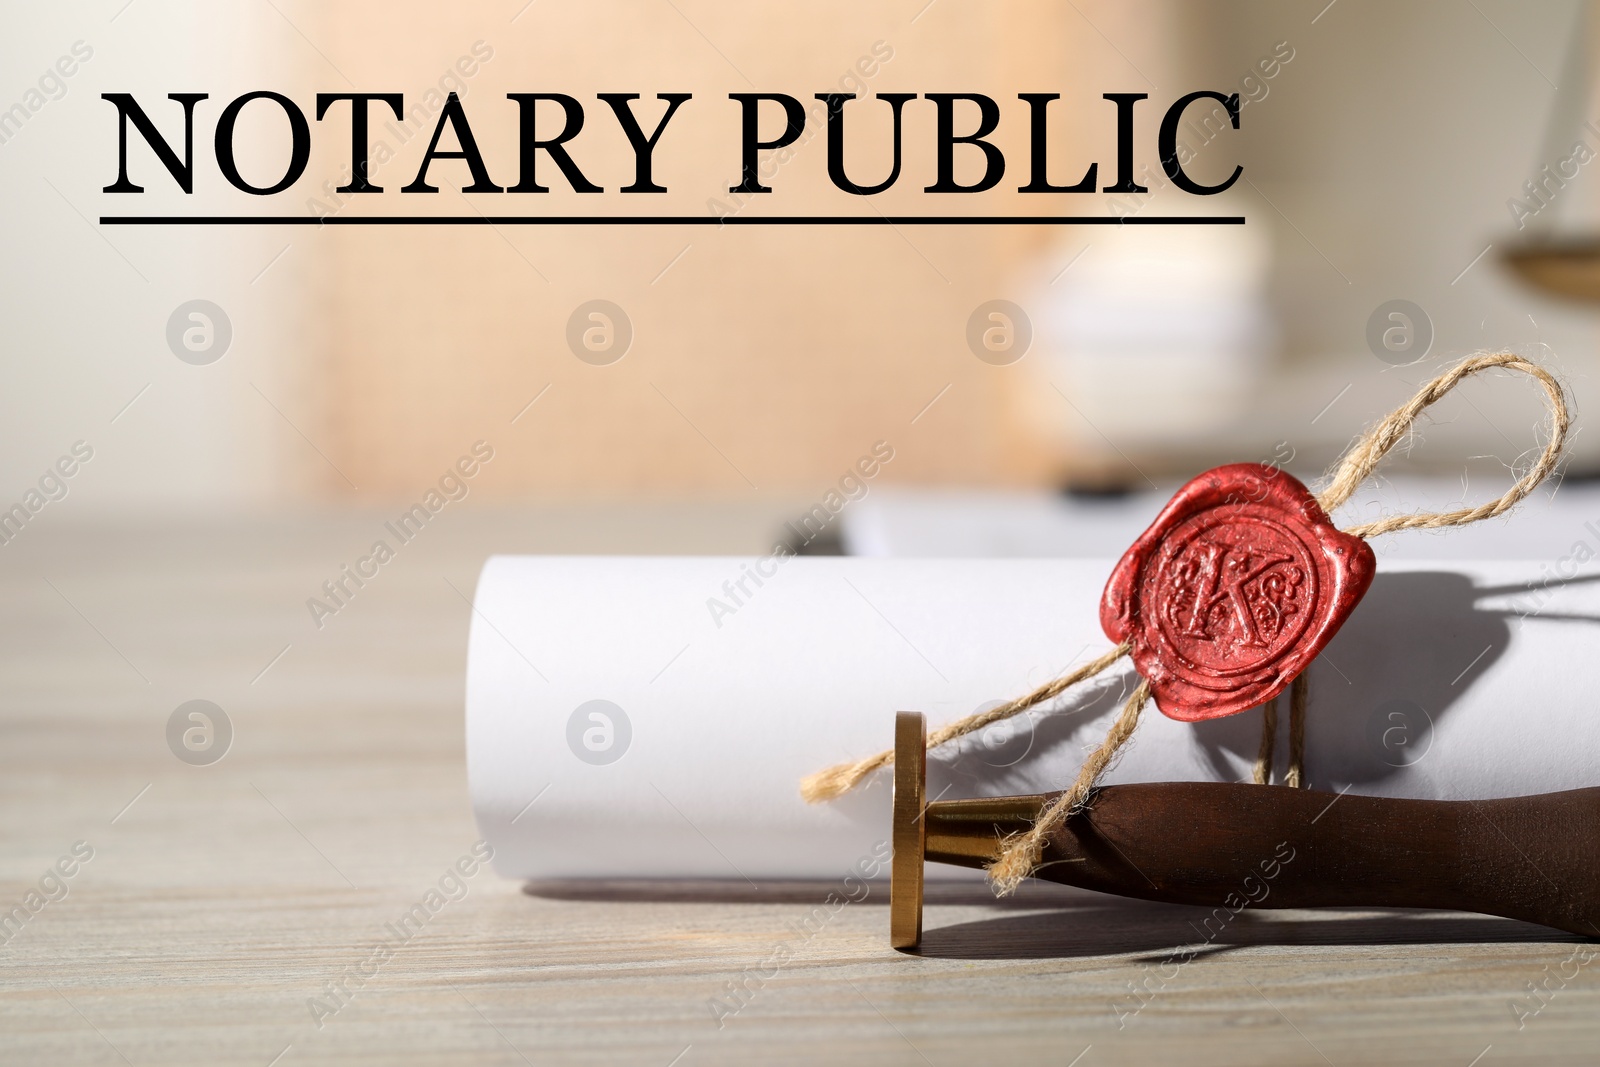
x=651 y=717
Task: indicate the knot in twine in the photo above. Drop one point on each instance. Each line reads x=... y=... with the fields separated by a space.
x=1020 y=852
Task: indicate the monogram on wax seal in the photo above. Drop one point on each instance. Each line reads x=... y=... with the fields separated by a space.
x=1233 y=591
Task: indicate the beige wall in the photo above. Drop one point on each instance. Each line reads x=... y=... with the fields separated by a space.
x=791 y=350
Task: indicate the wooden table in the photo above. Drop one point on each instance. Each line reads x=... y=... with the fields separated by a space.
x=222 y=902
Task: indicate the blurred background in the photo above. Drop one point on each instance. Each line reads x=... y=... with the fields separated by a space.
x=1385 y=149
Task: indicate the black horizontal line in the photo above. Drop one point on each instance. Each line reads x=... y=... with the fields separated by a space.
x=672 y=220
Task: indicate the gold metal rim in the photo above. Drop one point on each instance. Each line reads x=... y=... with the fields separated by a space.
x=910 y=829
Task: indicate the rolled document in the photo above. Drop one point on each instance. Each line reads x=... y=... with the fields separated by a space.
x=652 y=717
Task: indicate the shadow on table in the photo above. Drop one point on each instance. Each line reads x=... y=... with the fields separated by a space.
x=785 y=891
x=1161 y=932
x=1061 y=922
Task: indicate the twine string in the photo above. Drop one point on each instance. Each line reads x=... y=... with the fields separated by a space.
x=1269 y=739
x=1299 y=694
x=1019 y=854
x=839 y=779
x=1363 y=457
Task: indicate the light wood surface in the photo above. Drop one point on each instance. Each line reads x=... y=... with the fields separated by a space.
x=220 y=900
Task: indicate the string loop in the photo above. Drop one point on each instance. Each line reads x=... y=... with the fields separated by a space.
x=1363 y=457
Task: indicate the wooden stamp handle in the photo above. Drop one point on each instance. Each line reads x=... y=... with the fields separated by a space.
x=1233 y=845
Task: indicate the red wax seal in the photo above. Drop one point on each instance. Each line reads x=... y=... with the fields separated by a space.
x=1233 y=591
